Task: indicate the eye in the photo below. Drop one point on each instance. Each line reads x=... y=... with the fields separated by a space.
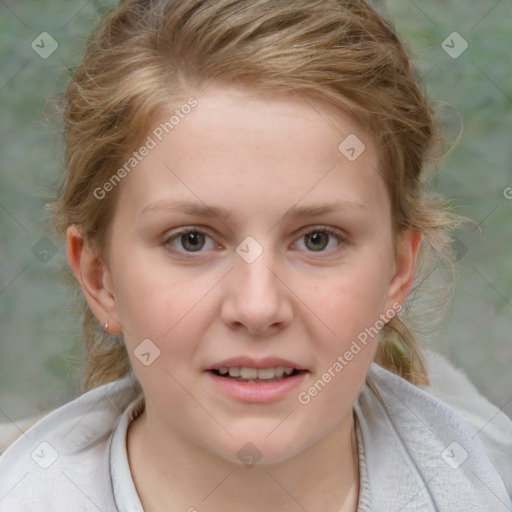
x=189 y=240
x=320 y=240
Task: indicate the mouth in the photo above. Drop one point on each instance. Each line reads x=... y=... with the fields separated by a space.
x=256 y=380
x=256 y=375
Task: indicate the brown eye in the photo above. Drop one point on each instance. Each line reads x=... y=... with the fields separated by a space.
x=188 y=241
x=192 y=241
x=317 y=241
x=320 y=240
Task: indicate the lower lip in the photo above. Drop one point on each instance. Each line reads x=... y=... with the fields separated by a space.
x=257 y=392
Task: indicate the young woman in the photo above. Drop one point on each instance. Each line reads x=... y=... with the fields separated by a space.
x=246 y=215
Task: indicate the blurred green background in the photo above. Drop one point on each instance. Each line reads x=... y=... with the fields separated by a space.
x=39 y=322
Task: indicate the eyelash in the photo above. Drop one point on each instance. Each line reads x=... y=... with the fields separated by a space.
x=191 y=254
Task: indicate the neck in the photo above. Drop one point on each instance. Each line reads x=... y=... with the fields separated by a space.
x=180 y=475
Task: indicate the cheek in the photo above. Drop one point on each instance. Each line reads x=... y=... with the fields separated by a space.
x=345 y=328
x=348 y=301
x=344 y=355
x=164 y=322
x=172 y=309
x=153 y=300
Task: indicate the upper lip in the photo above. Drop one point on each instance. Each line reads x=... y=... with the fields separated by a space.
x=250 y=362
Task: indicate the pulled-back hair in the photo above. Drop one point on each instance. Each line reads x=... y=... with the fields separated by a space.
x=148 y=57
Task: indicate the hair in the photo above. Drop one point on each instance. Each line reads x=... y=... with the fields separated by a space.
x=146 y=57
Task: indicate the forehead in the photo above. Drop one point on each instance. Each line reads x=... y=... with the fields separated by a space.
x=240 y=148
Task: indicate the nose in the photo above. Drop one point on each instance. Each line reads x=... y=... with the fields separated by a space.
x=256 y=298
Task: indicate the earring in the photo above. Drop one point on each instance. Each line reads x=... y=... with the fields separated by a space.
x=106 y=327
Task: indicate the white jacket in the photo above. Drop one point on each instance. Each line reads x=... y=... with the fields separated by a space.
x=420 y=456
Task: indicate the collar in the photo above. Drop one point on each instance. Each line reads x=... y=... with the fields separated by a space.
x=421 y=456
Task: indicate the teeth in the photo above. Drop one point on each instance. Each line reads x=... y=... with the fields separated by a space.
x=279 y=371
x=256 y=373
x=234 y=372
x=266 y=373
x=248 y=373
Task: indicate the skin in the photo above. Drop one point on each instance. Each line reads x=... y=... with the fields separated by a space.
x=256 y=158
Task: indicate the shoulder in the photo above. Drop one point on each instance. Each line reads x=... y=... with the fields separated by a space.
x=491 y=426
x=64 y=457
x=421 y=446
x=9 y=432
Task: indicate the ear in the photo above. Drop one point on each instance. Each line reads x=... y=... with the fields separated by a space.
x=94 y=279
x=402 y=281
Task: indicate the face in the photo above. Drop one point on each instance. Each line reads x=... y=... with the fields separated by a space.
x=246 y=245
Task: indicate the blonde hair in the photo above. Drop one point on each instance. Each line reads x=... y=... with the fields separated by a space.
x=146 y=57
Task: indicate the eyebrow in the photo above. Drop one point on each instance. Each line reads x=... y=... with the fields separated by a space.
x=203 y=210
x=197 y=209
x=333 y=207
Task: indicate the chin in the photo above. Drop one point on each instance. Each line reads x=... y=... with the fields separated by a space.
x=258 y=448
